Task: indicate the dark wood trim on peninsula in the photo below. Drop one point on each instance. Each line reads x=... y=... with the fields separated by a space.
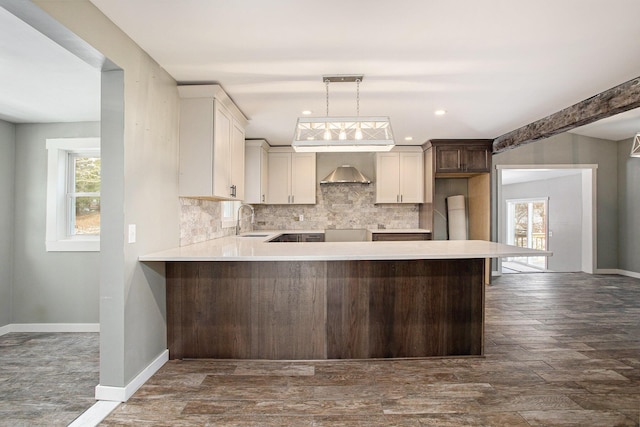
x=297 y=310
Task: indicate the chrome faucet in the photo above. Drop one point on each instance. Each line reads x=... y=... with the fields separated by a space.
x=252 y=216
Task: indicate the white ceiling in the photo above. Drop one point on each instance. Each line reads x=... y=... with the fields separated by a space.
x=494 y=65
x=614 y=128
x=41 y=82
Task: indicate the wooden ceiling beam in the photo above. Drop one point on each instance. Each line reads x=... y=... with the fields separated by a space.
x=619 y=99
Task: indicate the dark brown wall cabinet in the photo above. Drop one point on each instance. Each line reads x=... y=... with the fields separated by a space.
x=462 y=157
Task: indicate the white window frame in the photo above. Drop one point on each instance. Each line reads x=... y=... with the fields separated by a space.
x=229 y=213
x=58 y=216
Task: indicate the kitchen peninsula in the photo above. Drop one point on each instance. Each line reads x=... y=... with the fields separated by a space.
x=244 y=297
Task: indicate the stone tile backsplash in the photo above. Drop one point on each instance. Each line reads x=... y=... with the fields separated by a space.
x=338 y=206
x=200 y=221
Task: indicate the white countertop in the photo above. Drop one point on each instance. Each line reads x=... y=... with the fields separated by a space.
x=239 y=248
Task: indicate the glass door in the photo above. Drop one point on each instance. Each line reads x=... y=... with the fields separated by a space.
x=527 y=227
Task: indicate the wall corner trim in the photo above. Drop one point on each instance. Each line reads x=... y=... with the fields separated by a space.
x=122 y=394
x=618 y=271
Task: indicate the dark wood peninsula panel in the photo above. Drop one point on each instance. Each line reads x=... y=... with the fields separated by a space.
x=325 y=309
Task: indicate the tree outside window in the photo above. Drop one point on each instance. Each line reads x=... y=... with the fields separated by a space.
x=84 y=197
x=73 y=194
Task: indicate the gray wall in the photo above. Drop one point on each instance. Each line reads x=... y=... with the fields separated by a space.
x=628 y=209
x=565 y=216
x=48 y=287
x=139 y=136
x=7 y=170
x=569 y=148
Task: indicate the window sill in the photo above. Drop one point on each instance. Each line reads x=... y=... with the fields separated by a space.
x=228 y=224
x=73 y=246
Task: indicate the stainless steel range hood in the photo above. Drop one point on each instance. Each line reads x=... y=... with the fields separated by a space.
x=345 y=174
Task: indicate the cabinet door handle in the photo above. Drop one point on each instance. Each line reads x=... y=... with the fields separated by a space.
x=401 y=196
x=233 y=191
x=293 y=198
x=263 y=198
x=397 y=198
x=289 y=198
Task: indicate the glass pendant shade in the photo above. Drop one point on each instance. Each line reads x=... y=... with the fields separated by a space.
x=635 y=148
x=343 y=134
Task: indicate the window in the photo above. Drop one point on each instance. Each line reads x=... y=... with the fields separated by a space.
x=527 y=225
x=229 y=212
x=73 y=194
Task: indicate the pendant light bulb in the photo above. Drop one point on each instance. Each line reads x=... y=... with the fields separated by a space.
x=343 y=133
x=358 y=134
x=327 y=132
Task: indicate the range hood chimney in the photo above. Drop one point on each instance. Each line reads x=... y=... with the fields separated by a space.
x=345 y=174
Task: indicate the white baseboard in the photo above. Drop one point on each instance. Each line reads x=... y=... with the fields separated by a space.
x=95 y=415
x=122 y=394
x=618 y=271
x=50 y=327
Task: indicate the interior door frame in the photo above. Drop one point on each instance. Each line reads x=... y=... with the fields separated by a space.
x=589 y=234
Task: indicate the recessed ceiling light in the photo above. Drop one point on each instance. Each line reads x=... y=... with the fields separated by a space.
x=408 y=138
x=307 y=112
x=440 y=112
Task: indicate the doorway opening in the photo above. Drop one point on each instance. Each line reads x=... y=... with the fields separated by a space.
x=550 y=207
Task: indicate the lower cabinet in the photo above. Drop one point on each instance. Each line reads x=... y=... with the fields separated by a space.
x=299 y=237
x=396 y=237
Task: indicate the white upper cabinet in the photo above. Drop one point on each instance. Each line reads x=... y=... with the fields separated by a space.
x=256 y=171
x=400 y=176
x=292 y=177
x=211 y=144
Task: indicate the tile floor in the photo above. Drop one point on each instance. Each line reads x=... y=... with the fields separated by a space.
x=47 y=379
x=561 y=350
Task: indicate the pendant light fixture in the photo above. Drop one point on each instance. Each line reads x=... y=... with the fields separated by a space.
x=343 y=134
x=635 y=148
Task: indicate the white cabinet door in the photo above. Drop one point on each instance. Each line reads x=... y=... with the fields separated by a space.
x=279 y=181
x=411 y=177
x=387 y=178
x=221 y=151
x=292 y=178
x=211 y=144
x=196 y=147
x=256 y=172
x=264 y=176
x=237 y=161
x=303 y=178
x=400 y=177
